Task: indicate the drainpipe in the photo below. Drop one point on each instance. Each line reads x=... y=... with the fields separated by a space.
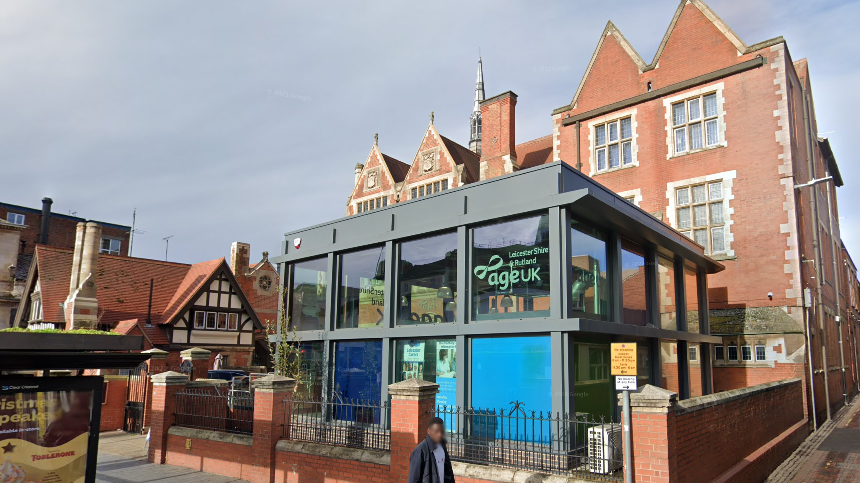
x=817 y=246
x=836 y=286
x=46 y=220
x=578 y=154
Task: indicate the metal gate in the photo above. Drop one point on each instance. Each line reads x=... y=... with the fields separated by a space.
x=135 y=405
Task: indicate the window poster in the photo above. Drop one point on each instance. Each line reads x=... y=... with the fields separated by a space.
x=371 y=302
x=48 y=429
x=446 y=372
x=413 y=360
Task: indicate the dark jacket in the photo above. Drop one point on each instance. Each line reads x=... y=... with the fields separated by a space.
x=422 y=464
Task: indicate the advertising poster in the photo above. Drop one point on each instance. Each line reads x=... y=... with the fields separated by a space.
x=371 y=302
x=446 y=372
x=45 y=428
x=413 y=360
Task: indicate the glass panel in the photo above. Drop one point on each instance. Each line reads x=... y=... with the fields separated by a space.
x=760 y=353
x=613 y=132
x=666 y=293
x=600 y=135
x=733 y=352
x=510 y=269
x=687 y=234
x=715 y=190
x=700 y=215
x=711 y=130
x=614 y=160
x=691 y=294
x=199 y=320
x=233 y=322
x=444 y=184
x=222 y=321
x=525 y=363
x=428 y=280
x=696 y=136
x=710 y=105
x=746 y=353
x=695 y=368
x=701 y=237
x=362 y=289
x=680 y=140
x=678 y=114
x=308 y=308
x=698 y=193
x=420 y=191
x=358 y=371
x=627 y=152
x=718 y=242
x=626 y=128
x=433 y=360
x=633 y=281
x=695 y=110
x=719 y=353
x=312 y=364
x=589 y=287
x=683 y=218
x=414 y=193
x=669 y=365
x=210 y=320
x=594 y=384
x=358 y=207
x=683 y=196
x=717 y=213
x=601 y=159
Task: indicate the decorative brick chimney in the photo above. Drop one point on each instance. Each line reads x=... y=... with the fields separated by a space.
x=240 y=258
x=81 y=307
x=498 y=120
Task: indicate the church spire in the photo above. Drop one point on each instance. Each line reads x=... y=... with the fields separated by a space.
x=475 y=120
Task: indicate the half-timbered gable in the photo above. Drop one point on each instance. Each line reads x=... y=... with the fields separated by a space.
x=211 y=309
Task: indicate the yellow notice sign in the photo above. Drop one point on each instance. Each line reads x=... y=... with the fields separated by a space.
x=623 y=359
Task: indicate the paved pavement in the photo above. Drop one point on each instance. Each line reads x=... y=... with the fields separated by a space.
x=830 y=455
x=122 y=459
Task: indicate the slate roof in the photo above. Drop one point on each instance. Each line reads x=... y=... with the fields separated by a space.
x=461 y=155
x=397 y=168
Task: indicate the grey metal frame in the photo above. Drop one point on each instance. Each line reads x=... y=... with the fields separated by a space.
x=555 y=189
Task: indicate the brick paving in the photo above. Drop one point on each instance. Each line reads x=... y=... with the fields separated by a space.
x=830 y=455
x=122 y=459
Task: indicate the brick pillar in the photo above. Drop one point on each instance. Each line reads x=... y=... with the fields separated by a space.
x=199 y=360
x=156 y=364
x=164 y=389
x=655 y=458
x=413 y=403
x=272 y=395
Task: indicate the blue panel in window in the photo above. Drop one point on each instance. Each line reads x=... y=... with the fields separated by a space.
x=358 y=371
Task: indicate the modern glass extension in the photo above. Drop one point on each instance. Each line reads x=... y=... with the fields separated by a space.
x=505 y=292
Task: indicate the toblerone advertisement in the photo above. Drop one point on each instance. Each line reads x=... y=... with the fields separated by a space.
x=44 y=436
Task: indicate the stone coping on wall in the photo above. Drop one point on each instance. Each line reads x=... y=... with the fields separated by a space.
x=339 y=452
x=221 y=437
x=711 y=400
x=505 y=475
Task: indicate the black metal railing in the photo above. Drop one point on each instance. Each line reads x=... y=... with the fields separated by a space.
x=574 y=445
x=350 y=423
x=215 y=409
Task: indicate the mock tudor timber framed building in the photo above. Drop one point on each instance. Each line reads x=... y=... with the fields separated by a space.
x=414 y=290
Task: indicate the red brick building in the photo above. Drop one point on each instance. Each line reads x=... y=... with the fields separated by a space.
x=718 y=139
x=41 y=226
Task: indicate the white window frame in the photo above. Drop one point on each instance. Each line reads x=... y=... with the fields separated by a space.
x=693 y=353
x=746 y=348
x=215 y=320
x=607 y=120
x=110 y=250
x=686 y=97
x=16 y=218
x=716 y=358
x=201 y=317
x=729 y=352
x=764 y=353
x=672 y=209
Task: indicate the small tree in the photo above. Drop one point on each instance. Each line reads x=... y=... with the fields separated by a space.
x=286 y=352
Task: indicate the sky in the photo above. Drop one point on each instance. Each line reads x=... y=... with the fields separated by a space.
x=239 y=121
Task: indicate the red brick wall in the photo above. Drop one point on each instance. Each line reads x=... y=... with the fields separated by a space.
x=228 y=459
x=113 y=408
x=714 y=439
x=305 y=468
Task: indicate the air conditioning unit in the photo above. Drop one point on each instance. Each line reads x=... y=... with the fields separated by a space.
x=604 y=448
